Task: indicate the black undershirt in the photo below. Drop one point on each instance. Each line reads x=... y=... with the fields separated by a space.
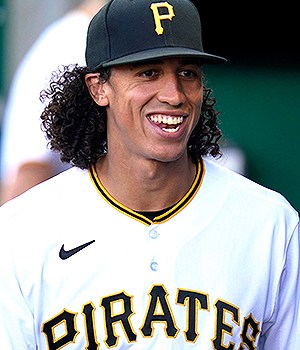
x=153 y=214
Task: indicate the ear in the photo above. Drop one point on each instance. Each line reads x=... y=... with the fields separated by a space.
x=96 y=89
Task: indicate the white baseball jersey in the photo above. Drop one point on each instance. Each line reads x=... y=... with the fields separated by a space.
x=220 y=270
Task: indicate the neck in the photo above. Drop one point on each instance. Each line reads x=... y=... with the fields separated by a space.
x=148 y=185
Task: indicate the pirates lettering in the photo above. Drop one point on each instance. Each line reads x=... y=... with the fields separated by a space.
x=61 y=330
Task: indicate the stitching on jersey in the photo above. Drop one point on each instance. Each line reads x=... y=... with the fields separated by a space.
x=200 y=171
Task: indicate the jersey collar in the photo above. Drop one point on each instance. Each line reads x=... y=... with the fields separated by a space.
x=200 y=171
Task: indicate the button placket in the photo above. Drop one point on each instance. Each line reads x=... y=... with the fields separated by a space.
x=154 y=266
x=153 y=236
x=153 y=233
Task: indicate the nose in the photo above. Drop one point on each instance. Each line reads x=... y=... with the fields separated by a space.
x=171 y=91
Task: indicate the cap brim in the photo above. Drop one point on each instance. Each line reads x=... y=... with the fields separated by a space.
x=165 y=52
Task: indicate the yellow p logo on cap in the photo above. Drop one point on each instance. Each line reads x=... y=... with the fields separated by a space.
x=158 y=17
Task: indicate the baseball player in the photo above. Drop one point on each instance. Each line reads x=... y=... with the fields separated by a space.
x=142 y=244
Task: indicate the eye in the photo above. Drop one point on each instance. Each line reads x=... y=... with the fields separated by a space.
x=190 y=73
x=149 y=73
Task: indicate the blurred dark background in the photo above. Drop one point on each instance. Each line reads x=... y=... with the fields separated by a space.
x=258 y=89
x=248 y=31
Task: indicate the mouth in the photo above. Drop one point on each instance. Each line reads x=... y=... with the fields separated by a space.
x=168 y=123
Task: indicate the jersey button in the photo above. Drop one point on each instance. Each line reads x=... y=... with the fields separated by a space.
x=153 y=234
x=154 y=266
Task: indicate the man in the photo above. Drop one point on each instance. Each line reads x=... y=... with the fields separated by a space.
x=25 y=159
x=143 y=244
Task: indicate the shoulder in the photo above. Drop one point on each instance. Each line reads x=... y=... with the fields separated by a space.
x=246 y=195
x=49 y=196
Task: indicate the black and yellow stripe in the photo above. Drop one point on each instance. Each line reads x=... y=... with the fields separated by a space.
x=200 y=171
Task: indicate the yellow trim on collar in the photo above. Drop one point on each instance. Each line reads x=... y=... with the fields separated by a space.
x=158 y=219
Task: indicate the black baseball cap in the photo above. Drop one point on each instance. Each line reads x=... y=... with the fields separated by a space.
x=131 y=31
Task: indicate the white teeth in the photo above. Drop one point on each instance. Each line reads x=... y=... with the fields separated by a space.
x=170 y=130
x=168 y=120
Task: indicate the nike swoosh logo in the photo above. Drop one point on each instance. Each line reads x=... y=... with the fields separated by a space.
x=66 y=254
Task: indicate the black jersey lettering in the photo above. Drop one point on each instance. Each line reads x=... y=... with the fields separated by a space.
x=222 y=328
x=111 y=317
x=60 y=330
x=249 y=333
x=159 y=310
x=117 y=310
x=88 y=311
x=194 y=301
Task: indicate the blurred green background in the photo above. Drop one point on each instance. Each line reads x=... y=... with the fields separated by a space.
x=260 y=113
x=258 y=89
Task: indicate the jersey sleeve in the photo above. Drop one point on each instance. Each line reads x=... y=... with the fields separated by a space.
x=16 y=317
x=282 y=332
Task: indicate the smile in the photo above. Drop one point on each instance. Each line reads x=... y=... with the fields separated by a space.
x=168 y=123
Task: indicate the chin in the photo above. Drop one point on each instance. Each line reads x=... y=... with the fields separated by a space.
x=170 y=157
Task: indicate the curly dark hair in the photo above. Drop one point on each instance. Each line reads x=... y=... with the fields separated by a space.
x=76 y=126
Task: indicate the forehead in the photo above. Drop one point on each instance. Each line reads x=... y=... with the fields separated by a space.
x=175 y=62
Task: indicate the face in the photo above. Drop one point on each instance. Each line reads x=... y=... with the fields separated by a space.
x=152 y=108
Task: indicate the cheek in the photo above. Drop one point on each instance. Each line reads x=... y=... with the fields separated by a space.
x=129 y=97
x=197 y=100
x=124 y=113
x=194 y=92
x=197 y=106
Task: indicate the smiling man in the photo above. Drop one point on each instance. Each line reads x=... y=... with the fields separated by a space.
x=152 y=109
x=144 y=243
